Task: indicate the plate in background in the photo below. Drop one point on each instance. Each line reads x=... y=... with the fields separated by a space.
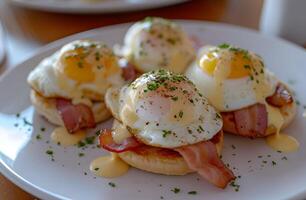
x=94 y=6
x=24 y=160
x=2 y=44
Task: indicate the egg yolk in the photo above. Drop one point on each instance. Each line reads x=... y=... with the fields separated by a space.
x=240 y=65
x=76 y=67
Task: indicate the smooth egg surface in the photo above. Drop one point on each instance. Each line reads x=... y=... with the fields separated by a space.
x=166 y=110
x=158 y=43
x=231 y=78
x=82 y=69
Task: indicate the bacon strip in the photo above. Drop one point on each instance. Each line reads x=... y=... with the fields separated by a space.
x=203 y=158
x=229 y=123
x=252 y=121
x=129 y=72
x=107 y=142
x=75 y=117
x=281 y=97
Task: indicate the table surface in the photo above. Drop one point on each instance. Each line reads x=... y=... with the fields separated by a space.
x=27 y=30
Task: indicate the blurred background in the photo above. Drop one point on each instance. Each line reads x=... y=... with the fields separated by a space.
x=28 y=25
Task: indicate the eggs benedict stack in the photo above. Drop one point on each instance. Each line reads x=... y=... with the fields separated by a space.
x=252 y=101
x=164 y=125
x=157 y=43
x=68 y=87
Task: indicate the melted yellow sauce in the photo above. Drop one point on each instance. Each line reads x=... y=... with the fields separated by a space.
x=110 y=166
x=61 y=136
x=85 y=101
x=236 y=65
x=120 y=133
x=283 y=142
x=127 y=113
x=279 y=141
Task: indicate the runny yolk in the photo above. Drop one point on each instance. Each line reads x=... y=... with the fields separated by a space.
x=76 y=67
x=240 y=65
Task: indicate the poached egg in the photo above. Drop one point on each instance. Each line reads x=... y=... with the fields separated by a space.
x=157 y=43
x=165 y=110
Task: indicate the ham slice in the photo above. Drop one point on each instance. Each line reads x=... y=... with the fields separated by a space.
x=229 y=124
x=203 y=158
x=252 y=121
x=107 y=142
x=75 y=117
x=129 y=72
x=281 y=97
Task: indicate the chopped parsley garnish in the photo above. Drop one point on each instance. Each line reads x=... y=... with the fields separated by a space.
x=201 y=128
x=171 y=41
x=80 y=64
x=192 y=192
x=152 y=86
x=38 y=137
x=181 y=113
x=273 y=163
x=112 y=184
x=176 y=190
x=49 y=152
x=174 y=98
x=224 y=46
x=97 y=56
x=165 y=133
x=26 y=122
x=218 y=116
x=97 y=133
x=81 y=144
x=90 y=140
x=247 y=67
x=148 y=19
x=284 y=158
x=81 y=154
x=235 y=186
x=97 y=168
x=42 y=129
x=158 y=78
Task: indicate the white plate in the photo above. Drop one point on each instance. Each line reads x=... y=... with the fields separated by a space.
x=24 y=161
x=94 y=6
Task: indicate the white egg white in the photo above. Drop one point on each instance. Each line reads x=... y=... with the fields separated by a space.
x=48 y=80
x=158 y=43
x=158 y=118
x=236 y=93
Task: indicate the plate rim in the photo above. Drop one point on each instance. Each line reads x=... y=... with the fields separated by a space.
x=37 y=191
x=97 y=9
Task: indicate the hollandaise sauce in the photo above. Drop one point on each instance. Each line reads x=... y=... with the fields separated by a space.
x=279 y=141
x=109 y=166
x=61 y=136
x=227 y=62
